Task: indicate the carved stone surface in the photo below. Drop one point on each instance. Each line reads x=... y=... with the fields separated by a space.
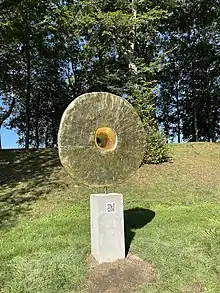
x=101 y=139
x=107 y=227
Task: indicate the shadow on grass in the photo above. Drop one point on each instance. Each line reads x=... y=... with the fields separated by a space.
x=22 y=165
x=134 y=219
x=25 y=176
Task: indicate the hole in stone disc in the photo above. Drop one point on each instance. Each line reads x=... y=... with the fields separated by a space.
x=105 y=138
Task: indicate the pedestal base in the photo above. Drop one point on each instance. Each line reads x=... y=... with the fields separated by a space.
x=107 y=227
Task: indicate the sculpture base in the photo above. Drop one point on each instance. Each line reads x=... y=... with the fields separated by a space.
x=107 y=227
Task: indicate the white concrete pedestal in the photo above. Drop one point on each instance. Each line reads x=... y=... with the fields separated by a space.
x=107 y=227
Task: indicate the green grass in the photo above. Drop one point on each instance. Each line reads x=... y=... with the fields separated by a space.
x=45 y=254
x=44 y=222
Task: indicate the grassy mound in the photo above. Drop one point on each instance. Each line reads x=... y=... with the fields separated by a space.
x=44 y=222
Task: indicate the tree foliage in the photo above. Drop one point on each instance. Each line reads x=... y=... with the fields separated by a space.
x=163 y=56
x=188 y=99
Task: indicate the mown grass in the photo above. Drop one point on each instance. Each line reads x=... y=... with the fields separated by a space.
x=44 y=222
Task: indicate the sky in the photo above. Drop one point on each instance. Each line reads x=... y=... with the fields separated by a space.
x=9 y=138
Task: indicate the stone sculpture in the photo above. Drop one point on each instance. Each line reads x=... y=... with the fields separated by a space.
x=101 y=142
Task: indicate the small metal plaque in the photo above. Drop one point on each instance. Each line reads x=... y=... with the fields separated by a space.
x=110 y=207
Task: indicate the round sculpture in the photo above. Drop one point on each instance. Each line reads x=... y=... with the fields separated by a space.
x=101 y=139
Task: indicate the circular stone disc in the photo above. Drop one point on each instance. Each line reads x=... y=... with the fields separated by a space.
x=119 y=129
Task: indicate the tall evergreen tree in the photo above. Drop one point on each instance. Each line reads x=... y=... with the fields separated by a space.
x=191 y=31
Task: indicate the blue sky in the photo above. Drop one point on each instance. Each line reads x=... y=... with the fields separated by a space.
x=9 y=138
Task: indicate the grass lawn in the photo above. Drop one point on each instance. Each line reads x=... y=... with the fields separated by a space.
x=45 y=230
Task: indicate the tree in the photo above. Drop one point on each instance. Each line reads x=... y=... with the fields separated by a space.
x=192 y=30
x=27 y=24
x=76 y=47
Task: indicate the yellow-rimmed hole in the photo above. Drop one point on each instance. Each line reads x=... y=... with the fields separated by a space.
x=105 y=138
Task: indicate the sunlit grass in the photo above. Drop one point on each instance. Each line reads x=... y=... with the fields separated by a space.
x=44 y=218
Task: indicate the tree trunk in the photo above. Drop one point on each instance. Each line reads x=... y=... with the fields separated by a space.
x=193 y=94
x=27 y=102
x=37 y=134
x=196 y=131
x=178 y=123
x=209 y=104
x=210 y=129
x=213 y=128
x=132 y=65
x=178 y=112
x=54 y=134
x=46 y=138
x=54 y=139
x=166 y=118
x=37 y=139
x=195 y=104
